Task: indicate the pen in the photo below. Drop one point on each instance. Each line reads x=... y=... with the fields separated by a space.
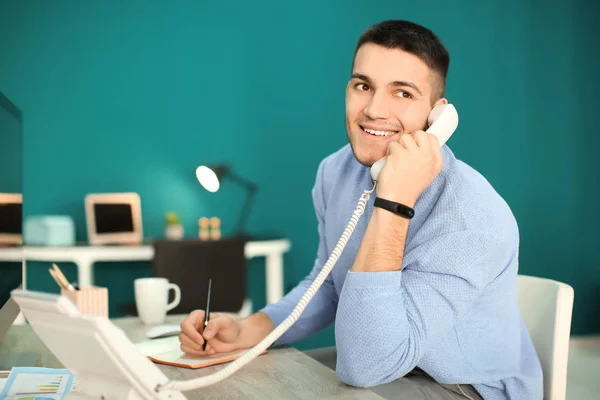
x=207 y=312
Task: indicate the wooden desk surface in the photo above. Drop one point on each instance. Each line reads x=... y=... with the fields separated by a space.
x=279 y=374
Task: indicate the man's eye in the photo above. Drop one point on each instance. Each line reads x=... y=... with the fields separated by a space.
x=362 y=86
x=404 y=94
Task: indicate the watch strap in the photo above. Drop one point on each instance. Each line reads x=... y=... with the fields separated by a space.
x=396 y=208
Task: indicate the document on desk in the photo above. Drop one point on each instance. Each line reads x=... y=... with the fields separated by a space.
x=167 y=351
x=26 y=383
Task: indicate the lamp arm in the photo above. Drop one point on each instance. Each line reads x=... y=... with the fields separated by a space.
x=246 y=210
x=245 y=182
x=252 y=188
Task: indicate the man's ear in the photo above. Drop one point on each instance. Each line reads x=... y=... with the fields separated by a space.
x=443 y=100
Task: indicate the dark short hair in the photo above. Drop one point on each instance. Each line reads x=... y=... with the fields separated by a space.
x=414 y=39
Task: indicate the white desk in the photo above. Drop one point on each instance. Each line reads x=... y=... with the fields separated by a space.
x=84 y=258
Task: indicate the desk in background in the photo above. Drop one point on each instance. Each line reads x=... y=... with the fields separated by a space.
x=85 y=256
x=279 y=374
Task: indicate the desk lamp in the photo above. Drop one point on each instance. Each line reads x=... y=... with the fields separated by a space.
x=210 y=178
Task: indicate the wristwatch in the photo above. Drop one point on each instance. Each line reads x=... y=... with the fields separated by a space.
x=396 y=208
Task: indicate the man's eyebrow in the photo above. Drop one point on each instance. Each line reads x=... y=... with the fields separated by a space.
x=362 y=77
x=365 y=78
x=408 y=84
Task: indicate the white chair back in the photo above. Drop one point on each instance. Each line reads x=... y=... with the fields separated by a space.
x=546 y=307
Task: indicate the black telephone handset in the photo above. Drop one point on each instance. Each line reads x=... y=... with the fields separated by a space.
x=442 y=121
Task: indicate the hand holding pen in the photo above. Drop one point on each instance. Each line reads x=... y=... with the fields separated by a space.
x=223 y=331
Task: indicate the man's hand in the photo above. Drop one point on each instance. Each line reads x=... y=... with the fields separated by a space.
x=412 y=164
x=222 y=334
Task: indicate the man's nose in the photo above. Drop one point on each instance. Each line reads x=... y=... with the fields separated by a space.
x=376 y=108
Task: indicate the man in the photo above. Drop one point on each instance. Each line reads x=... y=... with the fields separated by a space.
x=424 y=307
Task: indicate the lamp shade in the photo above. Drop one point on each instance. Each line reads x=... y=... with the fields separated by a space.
x=208 y=178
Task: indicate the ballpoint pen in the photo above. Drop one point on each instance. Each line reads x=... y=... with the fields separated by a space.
x=207 y=313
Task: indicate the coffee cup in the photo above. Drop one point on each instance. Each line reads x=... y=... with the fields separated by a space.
x=151 y=299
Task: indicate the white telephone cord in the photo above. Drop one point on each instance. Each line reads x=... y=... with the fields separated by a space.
x=288 y=322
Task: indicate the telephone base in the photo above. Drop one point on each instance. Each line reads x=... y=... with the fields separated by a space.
x=104 y=362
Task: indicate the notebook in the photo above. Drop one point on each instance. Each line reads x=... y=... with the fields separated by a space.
x=166 y=351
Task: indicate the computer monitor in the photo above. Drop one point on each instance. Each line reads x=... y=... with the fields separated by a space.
x=11 y=213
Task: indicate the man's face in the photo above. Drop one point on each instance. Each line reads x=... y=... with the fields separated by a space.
x=389 y=94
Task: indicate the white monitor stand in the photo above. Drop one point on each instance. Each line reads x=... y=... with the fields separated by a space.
x=105 y=363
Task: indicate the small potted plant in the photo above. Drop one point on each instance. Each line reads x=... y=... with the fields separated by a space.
x=174 y=229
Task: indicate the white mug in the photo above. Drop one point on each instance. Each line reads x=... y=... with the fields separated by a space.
x=151 y=297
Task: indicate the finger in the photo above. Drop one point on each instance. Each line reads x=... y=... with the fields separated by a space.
x=434 y=142
x=189 y=326
x=190 y=351
x=210 y=350
x=215 y=325
x=408 y=142
x=437 y=150
x=421 y=139
x=186 y=341
x=207 y=348
x=394 y=148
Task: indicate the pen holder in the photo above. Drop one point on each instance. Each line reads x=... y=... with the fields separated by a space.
x=91 y=300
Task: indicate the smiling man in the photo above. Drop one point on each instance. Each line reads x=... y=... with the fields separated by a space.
x=425 y=307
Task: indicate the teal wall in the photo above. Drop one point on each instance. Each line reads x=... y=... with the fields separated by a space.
x=132 y=96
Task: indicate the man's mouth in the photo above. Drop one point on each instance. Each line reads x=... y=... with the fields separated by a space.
x=375 y=132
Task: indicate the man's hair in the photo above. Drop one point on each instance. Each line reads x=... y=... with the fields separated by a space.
x=414 y=39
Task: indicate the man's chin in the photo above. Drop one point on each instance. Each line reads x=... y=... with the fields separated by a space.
x=367 y=162
x=365 y=159
x=364 y=155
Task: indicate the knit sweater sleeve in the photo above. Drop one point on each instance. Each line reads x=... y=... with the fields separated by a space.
x=387 y=321
x=321 y=310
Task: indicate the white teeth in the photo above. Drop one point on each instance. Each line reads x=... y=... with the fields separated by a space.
x=379 y=133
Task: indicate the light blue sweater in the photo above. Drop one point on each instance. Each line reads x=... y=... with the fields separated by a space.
x=451 y=310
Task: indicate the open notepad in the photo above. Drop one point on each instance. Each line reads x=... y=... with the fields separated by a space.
x=167 y=351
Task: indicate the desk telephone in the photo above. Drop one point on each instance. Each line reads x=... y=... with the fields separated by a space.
x=442 y=122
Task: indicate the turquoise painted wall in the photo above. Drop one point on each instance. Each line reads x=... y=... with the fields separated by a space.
x=132 y=97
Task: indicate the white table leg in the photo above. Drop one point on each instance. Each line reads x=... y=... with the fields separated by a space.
x=85 y=273
x=274 y=274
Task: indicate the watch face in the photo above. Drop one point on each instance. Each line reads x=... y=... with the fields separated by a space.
x=404 y=210
x=394 y=207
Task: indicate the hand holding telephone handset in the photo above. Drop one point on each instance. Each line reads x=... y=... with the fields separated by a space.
x=442 y=122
